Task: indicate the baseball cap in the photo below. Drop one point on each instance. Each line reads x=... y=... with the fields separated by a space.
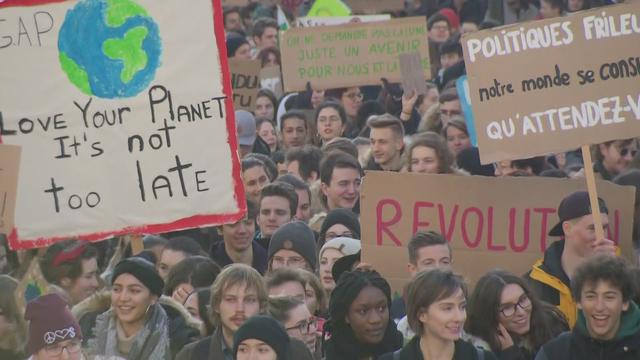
x=573 y=206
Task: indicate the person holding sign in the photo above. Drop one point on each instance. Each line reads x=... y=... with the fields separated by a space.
x=550 y=276
x=437 y=311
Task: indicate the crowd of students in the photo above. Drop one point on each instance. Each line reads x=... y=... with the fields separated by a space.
x=287 y=282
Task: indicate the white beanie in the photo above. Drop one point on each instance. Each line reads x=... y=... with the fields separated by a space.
x=346 y=245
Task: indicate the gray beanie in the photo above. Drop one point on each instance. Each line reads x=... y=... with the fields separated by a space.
x=295 y=236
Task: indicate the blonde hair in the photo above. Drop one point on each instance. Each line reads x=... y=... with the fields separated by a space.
x=236 y=274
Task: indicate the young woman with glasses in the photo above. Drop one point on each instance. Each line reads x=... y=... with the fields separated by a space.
x=294 y=315
x=509 y=318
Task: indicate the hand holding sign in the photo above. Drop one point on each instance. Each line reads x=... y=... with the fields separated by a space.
x=604 y=246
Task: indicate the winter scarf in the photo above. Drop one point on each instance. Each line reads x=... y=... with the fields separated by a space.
x=151 y=342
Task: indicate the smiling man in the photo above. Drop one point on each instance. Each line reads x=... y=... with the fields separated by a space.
x=340 y=177
x=387 y=142
x=608 y=325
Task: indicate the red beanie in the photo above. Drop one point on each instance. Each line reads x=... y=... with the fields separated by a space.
x=454 y=20
x=50 y=322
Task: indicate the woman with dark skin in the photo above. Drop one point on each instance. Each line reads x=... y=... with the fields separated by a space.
x=358 y=325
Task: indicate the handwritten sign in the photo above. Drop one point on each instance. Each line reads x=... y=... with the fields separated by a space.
x=374 y=6
x=309 y=21
x=9 y=166
x=352 y=54
x=563 y=99
x=245 y=81
x=125 y=118
x=270 y=78
x=488 y=221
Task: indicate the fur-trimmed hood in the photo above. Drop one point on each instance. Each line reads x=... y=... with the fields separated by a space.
x=101 y=302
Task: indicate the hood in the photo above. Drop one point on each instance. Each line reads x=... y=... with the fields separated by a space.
x=168 y=302
x=629 y=323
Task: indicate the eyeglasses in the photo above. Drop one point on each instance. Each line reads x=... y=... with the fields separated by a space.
x=305 y=327
x=55 y=350
x=523 y=303
x=354 y=96
x=626 y=151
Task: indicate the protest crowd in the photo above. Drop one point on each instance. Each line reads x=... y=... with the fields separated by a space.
x=289 y=282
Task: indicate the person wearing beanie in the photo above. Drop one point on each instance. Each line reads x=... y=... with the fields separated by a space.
x=261 y=335
x=53 y=332
x=292 y=245
x=136 y=326
x=238 y=47
x=339 y=223
x=331 y=251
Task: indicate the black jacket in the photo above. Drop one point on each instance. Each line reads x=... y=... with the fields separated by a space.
x=578 y=345
x=463 y=351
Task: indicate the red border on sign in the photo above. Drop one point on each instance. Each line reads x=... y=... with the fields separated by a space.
x=232 y=140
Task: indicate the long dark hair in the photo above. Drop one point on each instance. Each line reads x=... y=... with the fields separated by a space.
x=343 y=344
x=546 y=321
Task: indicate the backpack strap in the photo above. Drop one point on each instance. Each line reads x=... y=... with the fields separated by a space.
x=480 y=353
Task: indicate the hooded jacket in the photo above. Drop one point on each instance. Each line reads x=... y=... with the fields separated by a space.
x=548 y=279
x=183 y=328
x=579 y=345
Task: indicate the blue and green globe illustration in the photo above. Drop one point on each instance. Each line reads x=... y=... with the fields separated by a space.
x=109 y=48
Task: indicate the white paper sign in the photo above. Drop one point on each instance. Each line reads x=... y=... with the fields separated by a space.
x=124 y=115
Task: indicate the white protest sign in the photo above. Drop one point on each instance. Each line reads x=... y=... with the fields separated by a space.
x=123 y=112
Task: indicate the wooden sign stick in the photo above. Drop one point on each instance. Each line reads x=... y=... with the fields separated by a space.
x=136 y=244
x=593 y=192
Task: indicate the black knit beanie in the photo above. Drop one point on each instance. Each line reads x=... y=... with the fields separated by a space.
x=341 y=216
x=295 y=236
x=142 y=270
x=267 y=329
x=234 y=41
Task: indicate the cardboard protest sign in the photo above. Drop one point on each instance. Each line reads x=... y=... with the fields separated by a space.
x=352 y=54
x=412 y=75
x=270 y=78
x=489 y=222
x=9 y=166
x=245 y=81
x=374 y=6
x=124 y=114
x=534 y=91
x=309 y=21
